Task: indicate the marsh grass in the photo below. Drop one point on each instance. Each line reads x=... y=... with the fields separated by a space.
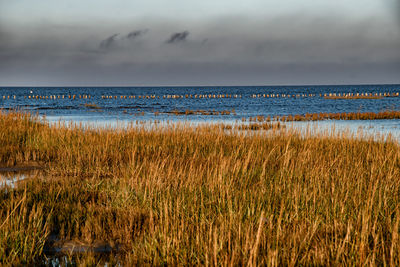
x=382 y=115
x=200 y=195
x=91 y=106
x=202 y=112
x=261 y=126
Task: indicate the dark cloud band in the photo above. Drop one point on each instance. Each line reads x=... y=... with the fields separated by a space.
x=177 y=37
x=109 y=42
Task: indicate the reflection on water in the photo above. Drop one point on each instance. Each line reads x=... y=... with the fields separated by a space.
x=378 y=129
x=66 y=252
x=11 y=176
x=11 y=180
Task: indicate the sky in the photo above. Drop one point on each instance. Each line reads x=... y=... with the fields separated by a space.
x=208 y=42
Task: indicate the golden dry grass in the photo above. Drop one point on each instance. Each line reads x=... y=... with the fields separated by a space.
x=182 y=195
x=382 y=115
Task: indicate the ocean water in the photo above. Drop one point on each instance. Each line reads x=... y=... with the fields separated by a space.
x=130 y=104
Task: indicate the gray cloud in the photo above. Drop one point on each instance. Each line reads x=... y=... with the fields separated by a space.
x=113 y=40
x=203 y=74
x=109 y=42
x=291 y=49
x=394 y=9
x=177 y=37
x=134 y=34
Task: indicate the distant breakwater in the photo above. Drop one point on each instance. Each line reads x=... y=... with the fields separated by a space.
x=352 y=95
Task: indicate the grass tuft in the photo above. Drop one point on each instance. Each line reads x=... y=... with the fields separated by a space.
x=182 y=195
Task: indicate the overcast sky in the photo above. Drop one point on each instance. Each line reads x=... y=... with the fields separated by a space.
x=208 y=42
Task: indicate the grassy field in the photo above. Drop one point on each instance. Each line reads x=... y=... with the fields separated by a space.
x=181 y=195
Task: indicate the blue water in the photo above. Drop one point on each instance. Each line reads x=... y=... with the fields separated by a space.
x=130 y=109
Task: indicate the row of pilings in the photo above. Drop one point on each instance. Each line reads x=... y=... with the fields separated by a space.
x=210 y=96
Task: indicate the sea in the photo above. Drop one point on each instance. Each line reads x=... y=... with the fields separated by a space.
x=119 y=106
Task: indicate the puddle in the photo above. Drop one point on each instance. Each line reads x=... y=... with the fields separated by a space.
x=66 y=252
x=76 y=247
x=11 y=176
x=57 y=246
x=24 y=168
x=72 y=260
x=11 y=181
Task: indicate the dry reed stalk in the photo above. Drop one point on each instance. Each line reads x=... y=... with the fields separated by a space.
x=183 y=195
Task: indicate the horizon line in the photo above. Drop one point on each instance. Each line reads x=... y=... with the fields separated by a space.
x=185 y=86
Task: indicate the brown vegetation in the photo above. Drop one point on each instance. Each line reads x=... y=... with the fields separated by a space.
x=199 y=196
x=261 y=126
x=201 y=112
x=383 y=115
x=91 y=106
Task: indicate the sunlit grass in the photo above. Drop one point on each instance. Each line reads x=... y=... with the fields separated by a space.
x=200 y=195
x=382 y=115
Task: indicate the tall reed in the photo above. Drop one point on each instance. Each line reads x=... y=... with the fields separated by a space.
x=201 y=195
